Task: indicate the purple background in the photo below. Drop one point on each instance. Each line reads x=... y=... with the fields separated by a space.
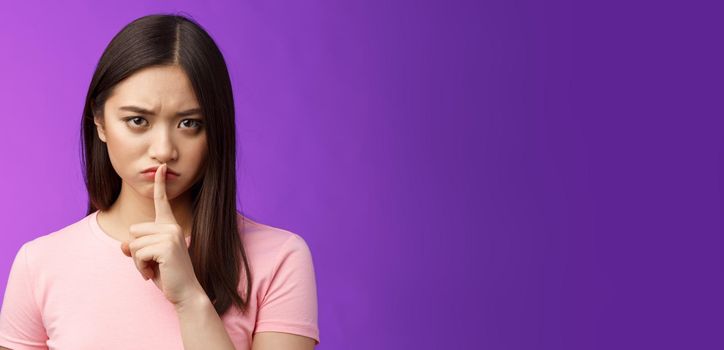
x=468 y=175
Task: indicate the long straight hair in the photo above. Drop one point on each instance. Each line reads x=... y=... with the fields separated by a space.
x=216 y=250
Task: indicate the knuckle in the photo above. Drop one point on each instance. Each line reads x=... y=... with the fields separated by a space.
x=175 y=228
x=172 y=238
x=168 y=245
x=133 y=247
x=139 y=263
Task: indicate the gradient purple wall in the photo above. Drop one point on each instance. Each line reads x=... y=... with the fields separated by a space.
x=467 y=174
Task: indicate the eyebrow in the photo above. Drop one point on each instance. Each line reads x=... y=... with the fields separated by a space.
x=140 y=110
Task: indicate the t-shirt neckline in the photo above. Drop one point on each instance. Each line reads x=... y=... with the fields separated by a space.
x=103 y=236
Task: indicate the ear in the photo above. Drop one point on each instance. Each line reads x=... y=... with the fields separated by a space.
x=100 y=127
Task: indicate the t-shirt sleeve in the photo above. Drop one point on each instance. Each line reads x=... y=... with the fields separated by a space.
x=290 y=303
x=21 y=325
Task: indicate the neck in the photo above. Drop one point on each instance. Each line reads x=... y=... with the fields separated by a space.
x=132 y=207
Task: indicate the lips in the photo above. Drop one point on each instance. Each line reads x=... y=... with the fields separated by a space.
x=153 y=170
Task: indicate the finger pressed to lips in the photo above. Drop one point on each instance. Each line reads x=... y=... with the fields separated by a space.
x=148 y=236
x=164 y=214
x=151 y=176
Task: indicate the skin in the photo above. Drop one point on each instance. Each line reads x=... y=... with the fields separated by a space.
x=152 y=216
x=146 y=141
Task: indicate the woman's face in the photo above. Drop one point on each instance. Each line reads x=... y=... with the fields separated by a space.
x=151 y=118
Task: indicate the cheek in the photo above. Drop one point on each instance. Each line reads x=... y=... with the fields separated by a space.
x=121 y=151
x=197 y=157
x=197 y=150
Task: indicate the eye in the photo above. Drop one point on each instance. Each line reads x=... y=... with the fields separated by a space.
x=134 y=120
x=199 y=123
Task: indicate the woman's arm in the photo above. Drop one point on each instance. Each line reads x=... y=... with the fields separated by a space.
x=201 y=326
x=268 y=340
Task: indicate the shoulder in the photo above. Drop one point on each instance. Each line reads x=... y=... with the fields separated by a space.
x=41 y=260
x=265 y=238
x=64 y=241
x=269 y=246
x=284 y=281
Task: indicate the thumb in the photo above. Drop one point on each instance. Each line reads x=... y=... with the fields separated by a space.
x=125 y=249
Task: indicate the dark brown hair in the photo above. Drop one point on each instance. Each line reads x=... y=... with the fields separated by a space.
x=216 y=249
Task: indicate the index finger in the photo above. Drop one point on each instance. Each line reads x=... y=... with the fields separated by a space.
x=164 y=214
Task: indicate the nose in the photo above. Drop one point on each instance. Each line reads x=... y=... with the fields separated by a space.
x=162 y=147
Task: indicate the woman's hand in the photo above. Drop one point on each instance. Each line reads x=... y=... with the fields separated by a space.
x=159 y=249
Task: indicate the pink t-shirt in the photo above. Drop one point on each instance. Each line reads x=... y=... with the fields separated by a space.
x=75 y=289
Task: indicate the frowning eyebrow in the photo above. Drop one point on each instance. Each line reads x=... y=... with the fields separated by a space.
x=140 y=110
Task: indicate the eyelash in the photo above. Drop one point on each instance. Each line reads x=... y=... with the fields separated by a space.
x=198 y=122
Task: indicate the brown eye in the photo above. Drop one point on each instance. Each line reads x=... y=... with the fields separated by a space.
x=196 y=122
x=134 y=120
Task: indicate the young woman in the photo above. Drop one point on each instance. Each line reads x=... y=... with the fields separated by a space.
x=162 y=259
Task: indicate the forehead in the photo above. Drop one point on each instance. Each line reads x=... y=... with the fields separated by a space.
x=158 y=87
